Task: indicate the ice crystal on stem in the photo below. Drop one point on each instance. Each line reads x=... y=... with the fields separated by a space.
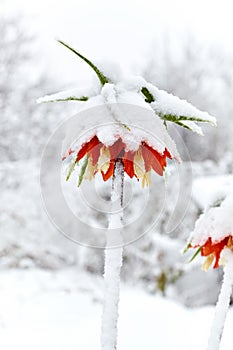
x=223 y=301
x=113 y=261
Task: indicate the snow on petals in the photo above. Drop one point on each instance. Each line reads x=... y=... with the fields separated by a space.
x=137 y=163
x=213 y=232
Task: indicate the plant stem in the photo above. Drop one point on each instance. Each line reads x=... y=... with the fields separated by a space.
x=222 y=304
x=113 y=261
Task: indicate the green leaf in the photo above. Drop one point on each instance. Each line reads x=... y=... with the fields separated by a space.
x=149 y=97
x=195 y=254
x=102 y=78
x=70 y=98
x=194 y=128
x=175 y=118
x=189 y=245
x=217 y=203
x=82 y=171
x=183 y=125
x=71 y=169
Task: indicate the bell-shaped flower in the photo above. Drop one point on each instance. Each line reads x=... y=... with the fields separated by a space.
x=128 y=120
x=213 y=233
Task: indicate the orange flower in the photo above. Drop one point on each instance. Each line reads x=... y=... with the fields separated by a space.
x=137 y=164
x=212 y=250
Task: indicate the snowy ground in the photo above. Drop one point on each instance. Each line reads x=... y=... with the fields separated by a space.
x=62 y=311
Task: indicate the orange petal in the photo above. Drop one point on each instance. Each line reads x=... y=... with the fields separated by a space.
x=153 y=159
x=214 y=248
x=128 y=163
x=206 y=249
x=109 y=172
x=87 y=147
x=167 y=154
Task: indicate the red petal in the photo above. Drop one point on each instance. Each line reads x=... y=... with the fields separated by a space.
x=167 y=154
x=82 y=152
x=214 y=248
x=128 y=163
x=207 y=248
x=88 y=146
x=95 y=152
x=109 y=172
x=117 y=149
x=153 y=159
x=217 y=257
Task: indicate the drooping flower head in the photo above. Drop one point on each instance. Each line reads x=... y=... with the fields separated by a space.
x=123 y=131
x=119 y=131
x=213 y=233
x=137 y=163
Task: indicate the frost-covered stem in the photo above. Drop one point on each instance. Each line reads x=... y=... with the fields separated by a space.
x=113 y=261
x=223 y=302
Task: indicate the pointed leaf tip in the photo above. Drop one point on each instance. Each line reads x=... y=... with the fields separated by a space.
x=195 y=255
x=102 y=78
x=82 y=172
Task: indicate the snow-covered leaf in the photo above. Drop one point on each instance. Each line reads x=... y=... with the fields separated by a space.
x=171 y=108
x=69 y=95
x=190 y=125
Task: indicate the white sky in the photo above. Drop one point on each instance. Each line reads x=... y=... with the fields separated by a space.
x=120 y=30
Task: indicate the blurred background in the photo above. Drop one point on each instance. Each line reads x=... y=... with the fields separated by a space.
x=182 y=47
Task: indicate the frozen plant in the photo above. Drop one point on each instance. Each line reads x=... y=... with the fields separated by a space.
x=213 y=238
x=117 y=142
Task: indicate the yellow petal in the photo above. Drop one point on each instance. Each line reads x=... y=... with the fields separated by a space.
x=90 y=170
x=139 y=165
x=208 y=262
x=230 y=243
x=104 y=159
x=146 y=180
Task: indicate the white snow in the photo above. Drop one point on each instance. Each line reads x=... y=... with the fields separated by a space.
x=110 y=69
x=223 y=301
x=114 y=114
x=113 y=264
x=216 y=223
x=193 y=126
x=62 y=310
x=208 y=190
x=123 y=106
x=166 y=103
x=70 y=94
